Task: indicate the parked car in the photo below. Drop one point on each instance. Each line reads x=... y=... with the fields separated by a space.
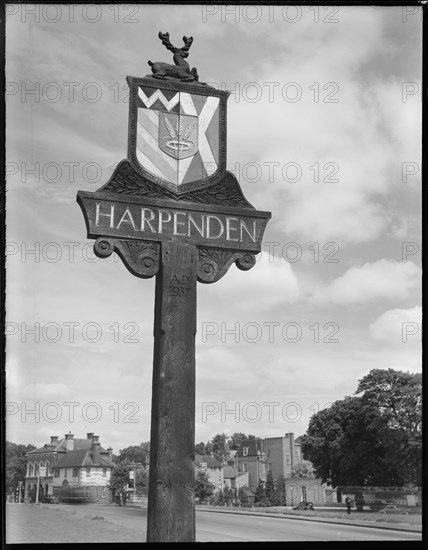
x=304 y=506
x=378 y=504
x=49 y=499
x=393 y=509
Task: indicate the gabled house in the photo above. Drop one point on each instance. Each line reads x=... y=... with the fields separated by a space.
x=73 y=470
x=251 y=459
x=214 y=468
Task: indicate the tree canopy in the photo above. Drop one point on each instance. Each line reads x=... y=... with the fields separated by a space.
x=203 y=487
x=134 y=454
x=373 y=439
x=16 y=464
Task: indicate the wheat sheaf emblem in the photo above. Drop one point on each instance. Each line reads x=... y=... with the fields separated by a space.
x=179 y=141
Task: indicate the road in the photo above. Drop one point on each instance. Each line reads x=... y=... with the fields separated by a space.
x=217 y=527
x=228 y=527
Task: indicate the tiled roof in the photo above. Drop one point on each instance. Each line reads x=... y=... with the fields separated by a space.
x=210 y=461
x=254 y=445
x=79 y=444
x=72 y=459
x=229 y=472
x=81 y=458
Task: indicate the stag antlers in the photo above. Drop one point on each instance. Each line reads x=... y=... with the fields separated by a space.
x=164 y=36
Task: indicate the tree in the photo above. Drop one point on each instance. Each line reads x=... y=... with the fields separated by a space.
x=119 y=479
x=303 y=469
x=137 y=454
x=281 y=491
x=374 y=439
x=203 y=487
x=260 y=498
x=200 y=448
x=209 y=448
x=16 y=464
x=235 y=440
x=344 y=443
x=243 y=495
x=228 y=493
x=270 y=490
x=398 y=397
x=141 y=479
x=220 y=447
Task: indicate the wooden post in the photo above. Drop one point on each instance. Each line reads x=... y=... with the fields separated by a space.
x=37 y=489
x=171 y=506
x=166 y=214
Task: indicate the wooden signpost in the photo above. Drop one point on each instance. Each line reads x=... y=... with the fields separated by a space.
x=171 y=209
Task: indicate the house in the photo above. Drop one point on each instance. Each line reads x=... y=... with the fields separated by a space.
x=283 y=454
x=278 y=455
x=214 y=468
x=251 y=459
x=233 y=480
x=73 y=470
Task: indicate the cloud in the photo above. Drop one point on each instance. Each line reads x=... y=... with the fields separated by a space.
x=265 y=285
x=46 y=391
x=381 y=280
x=398 y=326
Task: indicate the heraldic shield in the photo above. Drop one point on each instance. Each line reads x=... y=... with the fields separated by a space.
x=177 y=133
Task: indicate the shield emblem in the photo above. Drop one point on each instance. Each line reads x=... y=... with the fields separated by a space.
x=177 y=133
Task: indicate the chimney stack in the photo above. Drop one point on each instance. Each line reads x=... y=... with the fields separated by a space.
x=110 y=454
x=90 y=435
x=54 y=439
x=69 y=441
x=95 y=449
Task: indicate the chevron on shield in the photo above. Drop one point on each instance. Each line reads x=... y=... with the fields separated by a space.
x=178 y=135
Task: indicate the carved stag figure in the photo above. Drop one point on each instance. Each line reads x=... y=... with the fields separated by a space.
x=181 y=70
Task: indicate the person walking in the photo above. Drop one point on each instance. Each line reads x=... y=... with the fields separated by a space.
x=348 y=502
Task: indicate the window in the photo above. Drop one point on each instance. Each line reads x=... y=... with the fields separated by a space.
x=244 y=467
x=103 y=492
x=203 y=465
x=244 y=451
x=56 y=472
x=88 y=472
x=104 y=472
x=304 y=493
x=262 y=468
x=75 y=472
x=65 y=472
x=30 y=470
x=288 y=459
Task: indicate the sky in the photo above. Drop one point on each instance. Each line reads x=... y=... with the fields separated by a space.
x=323 y=131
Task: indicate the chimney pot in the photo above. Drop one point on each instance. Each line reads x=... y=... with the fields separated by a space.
x=95 y=448
x=90 y=435
x=69 y=441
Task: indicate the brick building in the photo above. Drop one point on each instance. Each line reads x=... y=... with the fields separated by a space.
x=73 y=470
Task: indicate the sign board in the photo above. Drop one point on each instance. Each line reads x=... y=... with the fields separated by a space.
x=164 y=219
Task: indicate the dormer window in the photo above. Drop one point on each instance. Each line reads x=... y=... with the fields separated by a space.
x=203 y=465
x=244 y=451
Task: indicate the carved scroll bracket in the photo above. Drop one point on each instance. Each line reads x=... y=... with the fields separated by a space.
x=213 y=263
x=141 y=258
